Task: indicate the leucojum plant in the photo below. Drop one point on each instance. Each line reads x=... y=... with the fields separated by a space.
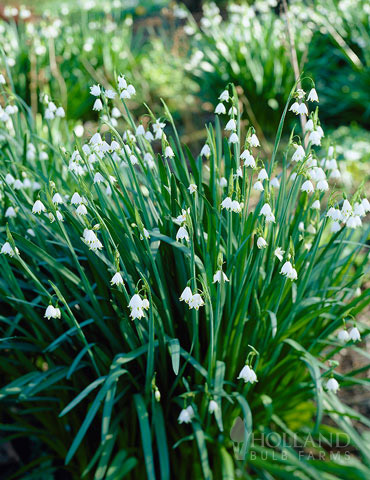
x=150 y=299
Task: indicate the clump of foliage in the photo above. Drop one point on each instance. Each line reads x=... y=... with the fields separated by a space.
x=250 y=45
x=149 y=298
x=250 y=48
x=339 y=60
x=60 y=51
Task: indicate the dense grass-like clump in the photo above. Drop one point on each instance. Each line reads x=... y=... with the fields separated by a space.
x=150 y=298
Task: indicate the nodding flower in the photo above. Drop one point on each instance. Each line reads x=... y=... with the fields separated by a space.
x=137 y=306
x=206 y=151
x=186 y=295
x=262 y=175
x=332 y=385
x=95 y=90
x=289 y=271
x=52 y=312
x=343 y=336
x=192 y=188
x=182 y=234
x=312 y=96
x=220 y=109
x=217 y=276
x=308 y=187
x=224 y=97
x=253 y=141
x=299 y=154
x=279 y=253
x=248 y=159
x=57 y=199
x=169 y=153
x=186 y=415
x=231 y=125
x=233 y=138
x=38 y=207
x=7 y=249
x=196 y=301
x=98 y=106
x=354 y=334
x=261 y=243
x=247 y=374
x=212 y=406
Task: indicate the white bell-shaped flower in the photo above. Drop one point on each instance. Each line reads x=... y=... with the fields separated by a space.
x=206 y=151
x=258 y=186
x=52 y=312
x=253 y=141
x=186 y=295
x=247 y=374
x=192 y=188
x=343 y=336
x=196 y=301
x=98 y=106
x=312 y=96
x=57 y=199
x=227 y=203
x=335 y=227
x=219 y=275
x=261 y=243
x=231 y=125
x=117 y=279
x=262 y=175
x=265 y=210
x=224 y=97
x=7 y=249
x=248 y=158
x=308 y=187
x=212 y=406
x=169 y=153
x=38 y=207
x=182 y=234
x=299 y=154
x=76 y=199
x=95 y=90
x=279 y=253
x=220 y=109
x=332 y=385
x=186 y=415
x=354 y=334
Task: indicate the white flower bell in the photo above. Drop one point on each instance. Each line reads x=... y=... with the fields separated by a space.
x=247 y=374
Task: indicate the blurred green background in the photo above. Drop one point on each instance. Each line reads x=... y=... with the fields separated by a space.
x=187 y=52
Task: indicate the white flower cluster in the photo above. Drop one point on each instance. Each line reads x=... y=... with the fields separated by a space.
x=91 y=240
x=349 y=216
x=52 y=111
x=232 y=205
x=220 y=276
x=289 y=271
x=267 y=212
x=193 y=300
x=137 y=306
x=117 y=279
x=354 y=335
x=7 y=249
x=52 y=312
x=262 y=176
x=186 y=415
x=7 y=112
x=247 y=374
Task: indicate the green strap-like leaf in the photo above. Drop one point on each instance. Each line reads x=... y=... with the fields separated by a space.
x=146 y=436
